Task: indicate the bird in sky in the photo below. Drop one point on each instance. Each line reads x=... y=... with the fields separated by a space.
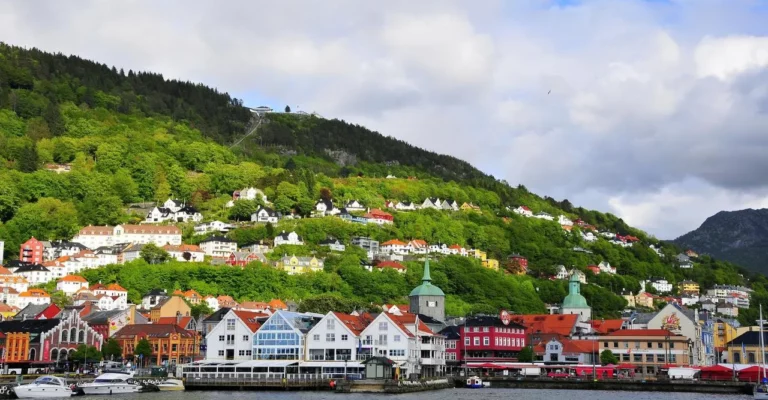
x=550 y=91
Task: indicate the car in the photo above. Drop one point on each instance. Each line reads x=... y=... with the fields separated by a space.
x=559 y=375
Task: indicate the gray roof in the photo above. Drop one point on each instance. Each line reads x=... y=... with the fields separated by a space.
x=101 y=317
x=31 y=311
x=643 y=318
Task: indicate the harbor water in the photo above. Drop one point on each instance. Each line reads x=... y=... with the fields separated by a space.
x=449 y=394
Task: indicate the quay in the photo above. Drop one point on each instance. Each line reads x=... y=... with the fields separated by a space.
x=629 y=385
x=257 y=383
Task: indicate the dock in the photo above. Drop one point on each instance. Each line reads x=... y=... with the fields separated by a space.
x=257 y=383
x=629 y=385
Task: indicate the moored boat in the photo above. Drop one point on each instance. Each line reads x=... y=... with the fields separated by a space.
x=171 y=385
x=475 y=382
x=112 y=383
x=44 y=387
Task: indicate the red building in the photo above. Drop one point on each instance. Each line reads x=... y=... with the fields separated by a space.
x=31 y=251
x=484 y=338
x=517 y=264
x=243 y=258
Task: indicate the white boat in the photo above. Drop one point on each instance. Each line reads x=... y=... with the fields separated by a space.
x=171 y=385
x=474 y=382
x=111 y=383
x=44 y=387
x=760 y=390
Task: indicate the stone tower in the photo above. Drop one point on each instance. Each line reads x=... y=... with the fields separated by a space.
x=427 y=299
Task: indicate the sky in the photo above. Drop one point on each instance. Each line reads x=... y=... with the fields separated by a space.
x=656 y=111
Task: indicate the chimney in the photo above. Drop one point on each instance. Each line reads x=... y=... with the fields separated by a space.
x=178 y=317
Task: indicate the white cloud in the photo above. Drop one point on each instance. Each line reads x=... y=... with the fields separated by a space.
x=614 y=105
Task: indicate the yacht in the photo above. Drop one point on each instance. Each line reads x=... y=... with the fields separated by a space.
x=171 y=385
x=111 y=383
x=474 y=382
x=760 y=391
x=44 y=387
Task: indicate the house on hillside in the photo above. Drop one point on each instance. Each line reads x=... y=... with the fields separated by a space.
x=218 y=246
x=325 y=208
x=354 y=206
x=291 y=238
x=299 y=265
x=394 y=246
x=564 y=221
x=333 y=244
x=543 y=215
x=449 y=205
x=213 y=226
x=524 y=211
x=606 y=267
x=264 y=215
x=405 y=206
x=562 y=273
x=379 y=217
x=432 y=202
x=369 y=245
x=248 y=194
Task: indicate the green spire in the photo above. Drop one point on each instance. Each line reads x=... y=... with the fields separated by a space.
x=426 y=278
x=426 y=288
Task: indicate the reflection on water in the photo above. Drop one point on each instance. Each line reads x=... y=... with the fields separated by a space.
x=450 y=394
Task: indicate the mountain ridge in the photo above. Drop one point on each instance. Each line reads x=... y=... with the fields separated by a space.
x=738 y=236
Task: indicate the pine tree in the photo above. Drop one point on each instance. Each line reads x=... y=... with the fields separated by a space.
x=28 y=160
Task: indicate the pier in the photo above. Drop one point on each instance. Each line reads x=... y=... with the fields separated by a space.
x=689 y=386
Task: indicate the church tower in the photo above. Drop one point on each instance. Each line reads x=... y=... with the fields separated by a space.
x=575 y=303
x=427 y=299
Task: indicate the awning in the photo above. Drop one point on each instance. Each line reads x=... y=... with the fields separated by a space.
x=331 y=364
x=266 y=363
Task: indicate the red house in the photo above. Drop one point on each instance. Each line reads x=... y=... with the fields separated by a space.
x=31 y=251
x=484 y=339
x=594 y=268
x=517 y=264
x=243 y=258
x=379 y=217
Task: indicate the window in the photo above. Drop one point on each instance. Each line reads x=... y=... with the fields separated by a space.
x=671 y=345
x=485 y=329
x=615 y=345
x=383 y=326
x=330 y=337
x=477 y=341
x=673 y=358
x=383 y=340
x=316 y=337
x=605 y=344
x=625 y=357
x=245 y=338
x=248 y=352
x=486 y=341
x=241 y=353
x=397 y=338
x=174 y=348
x=637 y=358
x=475 y=329
x=230 y=339
x=660 y=358
x=397 y=353
x=466 y=341
x=660 y=345
x=221 y=353
x=221 y=338
x=230 y=324
x=330 y=324
x=649 y=357
x=344 y=338
x=650 y=345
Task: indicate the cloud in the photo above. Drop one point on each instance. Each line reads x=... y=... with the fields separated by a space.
x=655 y=111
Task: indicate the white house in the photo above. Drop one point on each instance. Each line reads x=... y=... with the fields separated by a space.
x=354 y=205
x=418 y=246
x=70 y=284
x=431 y=202
x=336 y=337
x=333 y=244
x=661 y=285
x=153 y=298
x=289 y=238
x=17 y=283
x=563 y=220
x=250 y=193
x=439 y=248
x=562 y=273
x=184 y=214
x=656 y=250
x=33 y=296
x=543 y=215
x=185 y=253
x=582 y=276
x=218 y=246
x=97 y=236
x=588 y=236
x=606 y=267
x=35 y=274
x=324 y=208
x=111 y=290
x=405 y=206
x=450 y=205
x=108 y=303
x=264 y=215
x=524 y=211
x=213 y=226
x=232 y=338
x=394 y=246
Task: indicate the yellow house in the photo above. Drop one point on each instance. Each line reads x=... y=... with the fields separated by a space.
x=298 y=265
x=169 y=307
x=630 y=298
x=469 y=207
x=7 y=312
x=491 y=263
x=479 y=254
x=644 y=300
x=688 y=287
x=723 y=333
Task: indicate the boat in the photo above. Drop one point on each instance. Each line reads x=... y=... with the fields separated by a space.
x=112 y=383
x=474 y=382
x=171 y=385
x=761 y=388
x=44 y=387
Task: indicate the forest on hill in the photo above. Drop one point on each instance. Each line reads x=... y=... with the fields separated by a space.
x=135 y=137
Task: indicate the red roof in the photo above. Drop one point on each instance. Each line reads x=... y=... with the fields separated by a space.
x=408 y=318
x=378 y=213
x=594 y=268
x=183 y=321
x=547 y=323
x=5 y=271
x=50 y=312
x=455 y=246
x=572 y=346
x=525 y=208
x=355 y=323
x=390 y=264
x=607 y=326
x=393 y=242
x=277 y=304
x=642 y=332
x=419 y=242
x=249 y=318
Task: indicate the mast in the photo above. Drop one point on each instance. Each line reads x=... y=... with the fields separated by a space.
x=762 y=345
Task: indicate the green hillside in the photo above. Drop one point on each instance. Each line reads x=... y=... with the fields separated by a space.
x=136 y=137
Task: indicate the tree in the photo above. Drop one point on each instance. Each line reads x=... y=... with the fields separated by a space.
x=196 y=310
x=60 y=298
x=111 y=349
x=28 y=159
x=525 y=354
x=607 y=357
x=153 y=254
x=243 y=209
x=143 y=349
x=85 y=354
x=287 y=109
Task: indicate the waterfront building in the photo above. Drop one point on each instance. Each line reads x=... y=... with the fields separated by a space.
x=232 y=337
x=283 y=335
x=647 y=349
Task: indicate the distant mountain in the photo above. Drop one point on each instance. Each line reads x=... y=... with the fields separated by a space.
x=737 y=236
